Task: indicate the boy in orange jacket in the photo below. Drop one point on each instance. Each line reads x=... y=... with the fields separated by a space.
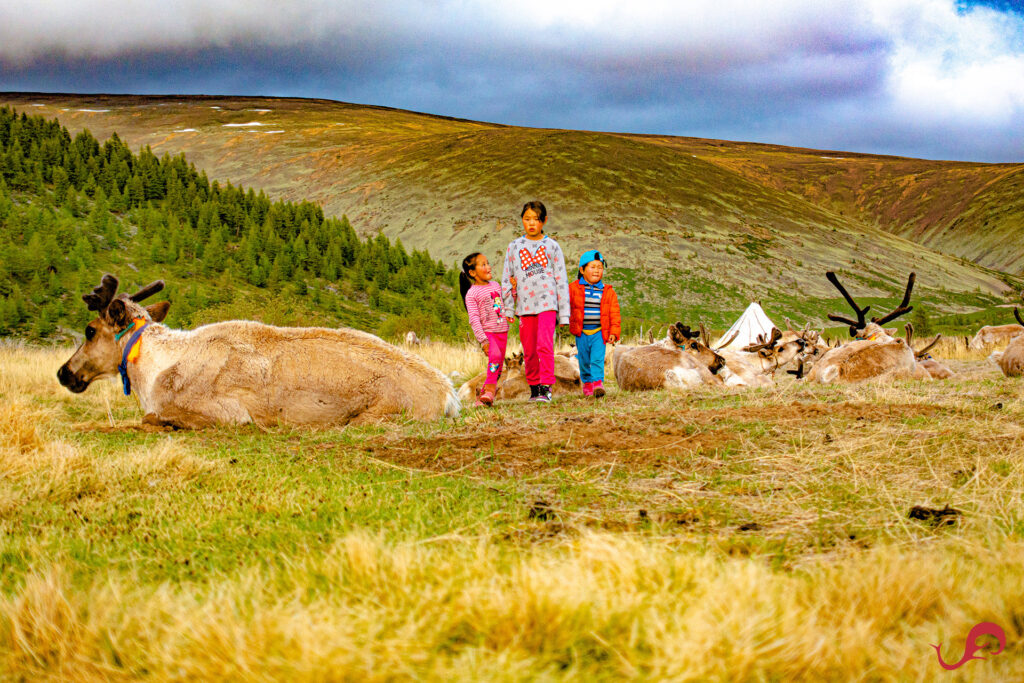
x=594 y=320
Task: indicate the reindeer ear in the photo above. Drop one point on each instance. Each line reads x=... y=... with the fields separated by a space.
x=676 y=335
x=117 y=313
x=158 y=311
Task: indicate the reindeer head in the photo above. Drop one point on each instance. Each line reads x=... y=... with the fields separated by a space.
x=686 y=340
x=100 y=353
x=860 y=327
x=514 y=362
x=922 y=353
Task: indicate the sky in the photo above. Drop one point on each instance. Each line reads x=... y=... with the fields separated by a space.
x=937 y=79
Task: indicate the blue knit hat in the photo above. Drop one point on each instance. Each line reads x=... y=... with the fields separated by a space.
x=592 y=255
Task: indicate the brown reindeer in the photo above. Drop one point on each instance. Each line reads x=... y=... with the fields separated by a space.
x=512 y=383
x=994 y=335
x=933 y=368
x=873 y=353
x=238 y=372
x=1011 y=361
x=677 y=362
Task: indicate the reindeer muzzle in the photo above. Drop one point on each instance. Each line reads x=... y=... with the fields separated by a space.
x=70 y=381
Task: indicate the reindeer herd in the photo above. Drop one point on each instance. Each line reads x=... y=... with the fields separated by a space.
x=240 y=372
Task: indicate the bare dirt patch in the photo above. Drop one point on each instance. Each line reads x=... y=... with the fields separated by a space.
x=631 y=441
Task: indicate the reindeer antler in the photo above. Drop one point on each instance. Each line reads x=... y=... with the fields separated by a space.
x=763 y=343
x=726 y=342
x=101 y=296
x=861 y=320
x=1016 y=314
x=902 y=308
x=148 y=291
x=685 y=330
x=922 y=353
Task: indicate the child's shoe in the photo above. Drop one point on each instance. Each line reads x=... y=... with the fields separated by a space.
x=543 y=393
x=533 y=391
x=588 y=388
x=487 y=395
x=598 y=389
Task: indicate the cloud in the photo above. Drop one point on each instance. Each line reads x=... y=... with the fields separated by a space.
x=924 y=77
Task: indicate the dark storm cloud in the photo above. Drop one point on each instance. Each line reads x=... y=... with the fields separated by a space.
x=923 y=77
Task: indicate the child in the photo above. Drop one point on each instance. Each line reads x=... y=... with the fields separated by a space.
x=482 y=298
x=534 y=285
x=594 y=320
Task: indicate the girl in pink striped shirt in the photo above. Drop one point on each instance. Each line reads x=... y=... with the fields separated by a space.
x=482 y=297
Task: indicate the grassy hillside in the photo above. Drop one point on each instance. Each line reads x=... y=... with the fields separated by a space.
x=971 y=210
x=687 y=230
x=72 y=209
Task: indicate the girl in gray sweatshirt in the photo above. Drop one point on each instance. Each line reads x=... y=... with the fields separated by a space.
x=534 y=285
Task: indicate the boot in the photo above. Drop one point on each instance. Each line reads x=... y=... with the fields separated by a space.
x=598 y=389
x=487 y=395
x=543 y=393
x=588 y=388
x=533 y=391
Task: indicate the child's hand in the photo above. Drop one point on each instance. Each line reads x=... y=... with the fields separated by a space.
x=486 y=346
x=513 y=281
x=613 y=339
x=510 y=319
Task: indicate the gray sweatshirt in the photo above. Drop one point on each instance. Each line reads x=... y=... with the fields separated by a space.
x=542 y=285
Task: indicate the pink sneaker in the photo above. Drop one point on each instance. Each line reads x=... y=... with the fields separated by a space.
x=598 y=387
x=588 y=388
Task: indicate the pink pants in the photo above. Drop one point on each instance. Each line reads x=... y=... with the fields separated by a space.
x=537 y=334
x=495 y=355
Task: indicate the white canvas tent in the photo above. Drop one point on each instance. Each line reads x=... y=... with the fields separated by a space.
x=752 y=323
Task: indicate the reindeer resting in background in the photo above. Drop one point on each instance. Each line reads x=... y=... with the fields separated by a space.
x=512 y=383
x=874 y=353
x=927 y=367
x=755 y=364
x=995 y=335
x=1011 y=361
x=677 y=362
x=241 y=371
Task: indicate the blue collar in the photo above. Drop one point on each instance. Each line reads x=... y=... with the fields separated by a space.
x=123 y=367
x=597 y=285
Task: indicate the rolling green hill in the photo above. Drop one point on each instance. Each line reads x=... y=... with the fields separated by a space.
x=689 y=226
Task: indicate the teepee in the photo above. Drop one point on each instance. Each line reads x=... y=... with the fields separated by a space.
x=752 y=323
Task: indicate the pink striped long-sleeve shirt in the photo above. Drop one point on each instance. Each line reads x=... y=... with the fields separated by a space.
x=486 y=312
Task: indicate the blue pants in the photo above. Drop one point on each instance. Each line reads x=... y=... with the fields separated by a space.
x=590 y=353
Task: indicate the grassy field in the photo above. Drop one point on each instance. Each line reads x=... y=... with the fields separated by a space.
x=758 y=535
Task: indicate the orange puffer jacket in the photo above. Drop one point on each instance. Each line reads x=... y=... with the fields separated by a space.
x=611 y=320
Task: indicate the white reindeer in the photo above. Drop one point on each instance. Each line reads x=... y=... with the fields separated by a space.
x=241 y=371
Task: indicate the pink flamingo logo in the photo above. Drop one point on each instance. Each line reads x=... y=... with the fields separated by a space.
x=985 y=628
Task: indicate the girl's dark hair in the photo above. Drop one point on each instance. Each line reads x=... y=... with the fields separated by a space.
x=465 y=281
x=542 y=213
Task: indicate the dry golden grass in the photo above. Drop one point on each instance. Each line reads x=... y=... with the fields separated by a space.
x=500 y=597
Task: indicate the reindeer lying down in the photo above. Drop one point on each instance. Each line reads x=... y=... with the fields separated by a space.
x=241 y=371
x=512 y=383
x=1011 y=361
x=873 y=354
x=677 y=362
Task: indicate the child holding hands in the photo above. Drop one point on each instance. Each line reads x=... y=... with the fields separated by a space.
x=482 y=298
x=534 y=286
x=594 y=320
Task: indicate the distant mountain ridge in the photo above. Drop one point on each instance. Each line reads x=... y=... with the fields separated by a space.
x=686 y=223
